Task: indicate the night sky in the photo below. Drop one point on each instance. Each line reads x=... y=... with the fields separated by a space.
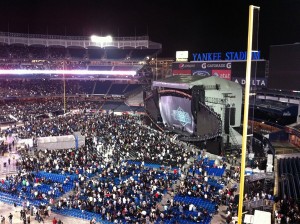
x=196 y=26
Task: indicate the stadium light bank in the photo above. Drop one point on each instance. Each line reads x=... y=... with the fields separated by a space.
x=101 y=40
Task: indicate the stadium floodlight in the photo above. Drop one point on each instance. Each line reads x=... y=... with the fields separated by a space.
x=62 y=72
x=100 y=39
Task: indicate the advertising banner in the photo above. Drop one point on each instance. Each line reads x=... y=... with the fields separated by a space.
x=254 y=82
x=236 y=68
x=201 y=72
x=182 y=72
x=201 y=65
x=220 y=69
x=224 y=74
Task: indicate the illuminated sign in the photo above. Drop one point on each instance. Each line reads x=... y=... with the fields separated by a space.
x=254 y=82
x=216 y=65
x=182 y=55
x=182 y=116
x=230 y=56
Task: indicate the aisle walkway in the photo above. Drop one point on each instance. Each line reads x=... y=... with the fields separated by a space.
x=10 y=167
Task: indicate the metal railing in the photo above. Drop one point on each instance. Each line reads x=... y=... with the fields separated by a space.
x=261 y=203
x=63 y=37
x=78 y=41
x=233 y=138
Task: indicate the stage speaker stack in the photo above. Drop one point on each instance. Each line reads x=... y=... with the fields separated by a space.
x=226 y=120
x=229 y=118
x=198 y=95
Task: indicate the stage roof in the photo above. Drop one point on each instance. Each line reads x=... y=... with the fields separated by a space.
x=187 y=82
x=178 y=81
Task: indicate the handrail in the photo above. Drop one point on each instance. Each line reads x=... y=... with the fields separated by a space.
x=256 y=204
x=269 y=123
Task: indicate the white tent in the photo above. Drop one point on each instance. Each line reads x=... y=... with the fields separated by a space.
x=56 y=142
x=258 y=217
x=262 y=217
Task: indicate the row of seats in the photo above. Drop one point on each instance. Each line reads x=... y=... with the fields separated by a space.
x=198 y=202
x=107 y=87
x=79 y=214
x=41 y=52
x=11 y=199
x=59 y=178
x=209 y=168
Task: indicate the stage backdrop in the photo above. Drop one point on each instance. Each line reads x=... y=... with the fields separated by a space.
x=176 y=112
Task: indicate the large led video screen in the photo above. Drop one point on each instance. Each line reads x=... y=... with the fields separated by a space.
x=176 y=112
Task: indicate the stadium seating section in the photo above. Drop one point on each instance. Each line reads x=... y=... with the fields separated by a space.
x=18 y=51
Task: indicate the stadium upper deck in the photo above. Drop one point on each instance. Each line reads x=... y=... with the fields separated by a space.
x=123 y=57
x=76 y=41
x=27 y=47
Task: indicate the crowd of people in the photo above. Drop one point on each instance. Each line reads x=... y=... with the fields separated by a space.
x=43 y=88
x=37 y=109
x=25 y=53
x=112 y=132
x=48 y=88
x=107 y=183
x=110 y=141
x=287 y=211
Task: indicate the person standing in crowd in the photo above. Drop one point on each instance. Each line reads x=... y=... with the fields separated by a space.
x=28 y=219
x=15 y=207
x=49 y=210
x=24 y=219
x=54 y=221
x=10 y=217
x=2 y=219
x=22 y=214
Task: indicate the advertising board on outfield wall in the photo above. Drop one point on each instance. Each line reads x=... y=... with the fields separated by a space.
x=229 y=70
x=262 y=82
x=222 y=69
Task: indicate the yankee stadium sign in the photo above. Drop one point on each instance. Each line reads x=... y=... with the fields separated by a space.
x=230 y=56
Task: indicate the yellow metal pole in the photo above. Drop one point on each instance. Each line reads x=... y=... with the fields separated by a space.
x=246 y=109
x=65 y=101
